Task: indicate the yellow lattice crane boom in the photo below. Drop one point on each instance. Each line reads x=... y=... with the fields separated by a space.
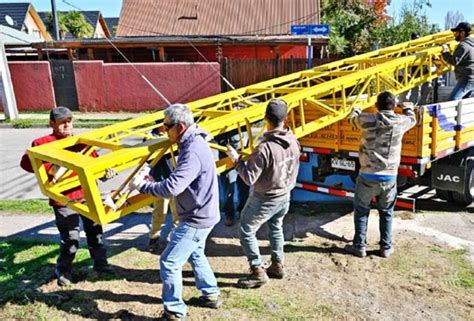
x=316 y=98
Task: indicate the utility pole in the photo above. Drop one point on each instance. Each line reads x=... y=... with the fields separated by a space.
x=6 y=87
x=55 y=20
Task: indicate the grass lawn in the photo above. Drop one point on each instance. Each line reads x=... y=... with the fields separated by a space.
x=25 y=206
x=322 y=285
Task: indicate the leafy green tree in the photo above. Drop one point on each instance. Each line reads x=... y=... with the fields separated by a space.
x=78 y=25
x=61 y=24
x=412 y=18
x=73 y=22
x=359 y=26
x=350 y=23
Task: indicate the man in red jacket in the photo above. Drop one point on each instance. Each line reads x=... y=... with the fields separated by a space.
x=67 y=220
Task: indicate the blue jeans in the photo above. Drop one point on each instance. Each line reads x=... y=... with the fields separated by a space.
x=463 y=88
x=256 y=212
x=187 y=244
x=167 y=226
x=386 y=196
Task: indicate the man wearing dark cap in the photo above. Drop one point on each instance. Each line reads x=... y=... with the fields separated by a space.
x=463 y=61
x=67 y=221
x=271 y=170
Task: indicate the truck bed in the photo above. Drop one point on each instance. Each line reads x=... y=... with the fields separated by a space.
x=441 y=129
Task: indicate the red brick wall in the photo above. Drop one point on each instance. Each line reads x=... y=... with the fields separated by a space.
x=118 y=87
x=32 y=84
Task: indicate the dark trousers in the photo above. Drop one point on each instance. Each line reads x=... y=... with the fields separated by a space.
x=67 y=222
x=242 y=193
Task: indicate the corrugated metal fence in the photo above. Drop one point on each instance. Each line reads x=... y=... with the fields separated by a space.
x=243 y=72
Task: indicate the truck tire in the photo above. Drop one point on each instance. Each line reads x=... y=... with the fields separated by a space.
x=444 y=195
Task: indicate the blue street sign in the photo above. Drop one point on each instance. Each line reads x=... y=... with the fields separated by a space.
x=321 y=30
x=299 y=30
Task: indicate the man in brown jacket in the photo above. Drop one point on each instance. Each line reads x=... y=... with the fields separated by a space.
x=271 y=170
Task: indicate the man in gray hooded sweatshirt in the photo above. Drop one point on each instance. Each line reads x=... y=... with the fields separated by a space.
x=463 y=61
x=271 y=170
x=193 y=183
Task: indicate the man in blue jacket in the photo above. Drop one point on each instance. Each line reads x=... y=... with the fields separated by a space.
x=193 y=183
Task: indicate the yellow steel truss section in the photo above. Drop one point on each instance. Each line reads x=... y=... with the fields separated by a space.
x=316 y=98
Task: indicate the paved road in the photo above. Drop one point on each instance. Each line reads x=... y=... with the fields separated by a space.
x=15 y=183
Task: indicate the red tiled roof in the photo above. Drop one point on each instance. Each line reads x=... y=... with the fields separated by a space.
x=215 y=17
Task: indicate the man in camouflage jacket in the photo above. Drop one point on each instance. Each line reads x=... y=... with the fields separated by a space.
x=379 y=156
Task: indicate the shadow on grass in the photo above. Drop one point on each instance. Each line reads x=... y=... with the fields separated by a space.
x=69 y=301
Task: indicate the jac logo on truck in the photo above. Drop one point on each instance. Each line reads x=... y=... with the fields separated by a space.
x=448 y=178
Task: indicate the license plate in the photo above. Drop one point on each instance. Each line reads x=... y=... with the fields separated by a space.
x=343 y=164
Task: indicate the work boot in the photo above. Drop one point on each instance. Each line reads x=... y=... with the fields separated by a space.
x=64 y=279
x=357 y=251
x=170 y=316
x=206 y=301
x=276 y=270
x=386 y=252
x=255 y=279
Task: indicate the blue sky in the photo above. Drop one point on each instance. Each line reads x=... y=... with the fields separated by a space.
x=111 y=8
x=439 y=8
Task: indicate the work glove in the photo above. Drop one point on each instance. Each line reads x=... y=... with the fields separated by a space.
x=445 y=48
x=57 y=171
x=232 y=153
x=356 y=111
x=139 y=179
x=407 y=106
x=109 y=174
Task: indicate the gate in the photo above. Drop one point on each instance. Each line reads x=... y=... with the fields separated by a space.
x=64 y=84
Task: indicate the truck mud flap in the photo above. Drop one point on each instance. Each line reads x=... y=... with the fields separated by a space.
x=449 y=178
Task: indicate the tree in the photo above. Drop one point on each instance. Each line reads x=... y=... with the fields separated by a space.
x=61 y=24
x=412 y=18
x=452 y=19
x=380 y=8
x=73 y=22
x=350 y=24
x=78 y=25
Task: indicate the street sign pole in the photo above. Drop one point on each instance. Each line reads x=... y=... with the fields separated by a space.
x=310 y=50
x=310 y=30
x=6 y=87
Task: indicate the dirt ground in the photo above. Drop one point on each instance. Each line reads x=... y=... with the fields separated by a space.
x=424 y=279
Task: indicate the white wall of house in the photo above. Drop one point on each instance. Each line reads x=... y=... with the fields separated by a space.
x=31 y=27
x=99 y=31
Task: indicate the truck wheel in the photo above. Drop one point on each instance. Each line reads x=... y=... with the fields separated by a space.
x=467 y=197
x=444 y=195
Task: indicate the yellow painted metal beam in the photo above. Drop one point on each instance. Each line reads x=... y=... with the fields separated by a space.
x=316 y=98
